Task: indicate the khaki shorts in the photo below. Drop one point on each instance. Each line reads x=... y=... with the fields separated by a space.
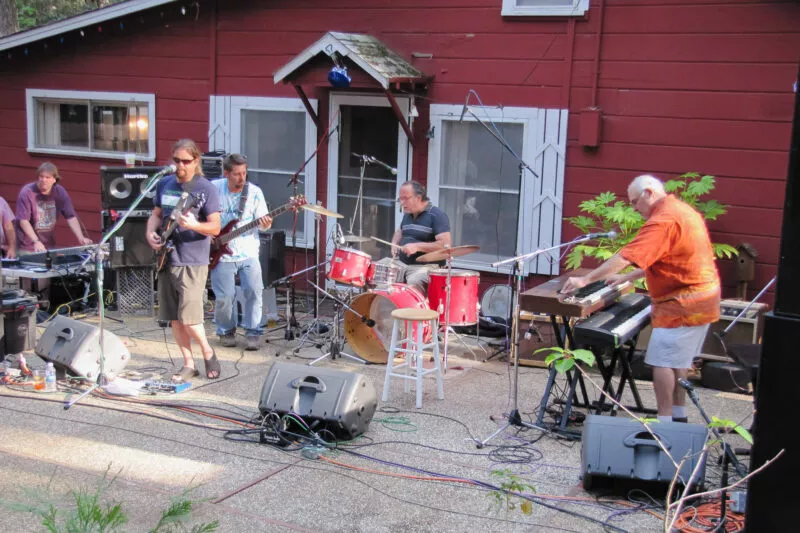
x=180 y=293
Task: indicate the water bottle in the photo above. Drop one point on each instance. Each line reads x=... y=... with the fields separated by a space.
x=50 y=378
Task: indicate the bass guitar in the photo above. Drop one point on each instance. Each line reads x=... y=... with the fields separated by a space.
x=185 y=204
x=219 y=245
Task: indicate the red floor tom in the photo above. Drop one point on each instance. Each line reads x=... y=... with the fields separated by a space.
x=463 y=295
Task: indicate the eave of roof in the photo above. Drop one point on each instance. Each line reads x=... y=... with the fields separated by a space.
x=78 y=22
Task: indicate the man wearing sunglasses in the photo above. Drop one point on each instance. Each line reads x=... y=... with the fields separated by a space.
x=243 y=202
x=182 y=283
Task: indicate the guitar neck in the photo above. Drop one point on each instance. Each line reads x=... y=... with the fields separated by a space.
x=252 y=224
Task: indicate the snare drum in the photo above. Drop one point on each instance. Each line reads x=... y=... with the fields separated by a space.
x=385 y=272
x=373 y=343
x=463 y=295
x=349 y=266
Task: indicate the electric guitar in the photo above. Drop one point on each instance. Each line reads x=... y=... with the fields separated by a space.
x=185 y=204
x=219 y=244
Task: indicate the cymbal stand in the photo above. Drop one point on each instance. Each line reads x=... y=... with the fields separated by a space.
x=514 y=417
x=359 y=208
x=317 y=326
x=337 y=337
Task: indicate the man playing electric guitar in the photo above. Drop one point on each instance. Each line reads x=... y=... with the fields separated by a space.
x=241 y=203
x=182 y=284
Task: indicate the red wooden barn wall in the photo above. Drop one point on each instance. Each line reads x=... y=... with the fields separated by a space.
x=683 y=86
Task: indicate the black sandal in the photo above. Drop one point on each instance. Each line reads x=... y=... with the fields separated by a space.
x=212 y=365
x=185 y=374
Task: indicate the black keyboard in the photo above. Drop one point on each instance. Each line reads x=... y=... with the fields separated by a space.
x=615 y=325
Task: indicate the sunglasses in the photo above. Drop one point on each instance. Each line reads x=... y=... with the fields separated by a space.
x=185 y=162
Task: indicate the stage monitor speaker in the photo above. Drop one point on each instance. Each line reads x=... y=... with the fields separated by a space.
x=76 y=346
x=272 y=255
x=341 y=402
x=120 y=186
x=617 y=447
x=747 y=330
x=128 y=246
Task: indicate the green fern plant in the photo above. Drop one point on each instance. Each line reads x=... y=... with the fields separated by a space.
x=605 y=213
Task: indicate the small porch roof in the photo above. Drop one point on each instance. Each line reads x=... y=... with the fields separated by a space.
x=368 y=53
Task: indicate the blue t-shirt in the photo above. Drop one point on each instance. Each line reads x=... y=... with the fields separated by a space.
x=424 y=228
x=245 y=246
x=191 y=248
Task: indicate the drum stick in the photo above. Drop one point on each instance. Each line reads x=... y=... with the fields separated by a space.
x=385 y=242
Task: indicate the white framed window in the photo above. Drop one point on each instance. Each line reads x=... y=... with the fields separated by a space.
x=544 y=8
x=477 y=182
x=277 y=136
x=92 y=124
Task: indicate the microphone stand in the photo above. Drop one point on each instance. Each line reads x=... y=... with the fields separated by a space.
x=514 y=417
x=99 y=252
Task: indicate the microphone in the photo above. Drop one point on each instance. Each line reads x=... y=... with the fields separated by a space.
x=169 y=169
x=339 y=235
x=600 y=235
x=686 y=384
x=371 y=159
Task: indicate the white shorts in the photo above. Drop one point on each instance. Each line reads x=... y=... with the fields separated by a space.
x=675 y=347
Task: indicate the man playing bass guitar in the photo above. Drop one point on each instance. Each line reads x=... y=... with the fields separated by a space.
x=241 y=203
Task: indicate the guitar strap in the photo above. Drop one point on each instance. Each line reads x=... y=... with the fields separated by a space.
x=243 y=200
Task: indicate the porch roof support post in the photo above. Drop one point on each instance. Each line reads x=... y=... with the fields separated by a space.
x=306 y=103
x=400 y=117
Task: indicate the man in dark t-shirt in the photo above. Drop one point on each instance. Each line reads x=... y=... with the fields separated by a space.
x=182 y=283
x=424 y=228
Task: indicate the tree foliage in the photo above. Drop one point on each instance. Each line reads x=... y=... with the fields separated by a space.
x=33 y=13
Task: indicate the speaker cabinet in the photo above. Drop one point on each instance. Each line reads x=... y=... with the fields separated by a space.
x=747 y=330
x=618 y=447
x=128 y=245
x=122 y=185
x=76 y=346
x=343 y=402
x=272 y=255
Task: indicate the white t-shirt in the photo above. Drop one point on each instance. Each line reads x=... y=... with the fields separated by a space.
x=244 y=246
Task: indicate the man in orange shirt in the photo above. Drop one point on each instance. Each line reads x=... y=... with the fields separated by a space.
x=673 y=252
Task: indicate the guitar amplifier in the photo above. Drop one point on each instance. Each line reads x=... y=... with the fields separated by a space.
x=747 y=330
x=539 y=330
x=76 y=346
x=120 y=186
x=341 y=402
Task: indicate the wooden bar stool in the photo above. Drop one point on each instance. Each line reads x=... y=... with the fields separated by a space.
x=413 y=320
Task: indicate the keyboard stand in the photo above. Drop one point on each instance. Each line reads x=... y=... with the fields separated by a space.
x=574 y=379
x=626 y=376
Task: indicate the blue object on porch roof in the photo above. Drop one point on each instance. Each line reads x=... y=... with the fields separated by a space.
x=339 y=78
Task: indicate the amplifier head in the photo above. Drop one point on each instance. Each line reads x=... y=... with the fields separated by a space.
x=120 y=186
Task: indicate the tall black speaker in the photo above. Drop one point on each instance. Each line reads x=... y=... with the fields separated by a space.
x=128 y=245
x=272 y=255
x=769 y=509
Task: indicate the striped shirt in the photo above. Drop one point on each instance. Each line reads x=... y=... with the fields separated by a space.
x=422 y=228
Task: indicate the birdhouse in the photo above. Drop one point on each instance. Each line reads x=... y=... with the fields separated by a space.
x=746 y=262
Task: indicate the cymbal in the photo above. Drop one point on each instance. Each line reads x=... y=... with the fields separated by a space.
x=321 y=210
x=445 y=253
x=355 y=238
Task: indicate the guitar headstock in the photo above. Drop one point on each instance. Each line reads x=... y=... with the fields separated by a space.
x=298 y=201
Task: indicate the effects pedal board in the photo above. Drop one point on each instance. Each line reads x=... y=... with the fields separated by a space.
x=268 y=435
x=166 y=386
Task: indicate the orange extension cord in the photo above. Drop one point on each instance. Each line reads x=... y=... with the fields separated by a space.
x=704 y=518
